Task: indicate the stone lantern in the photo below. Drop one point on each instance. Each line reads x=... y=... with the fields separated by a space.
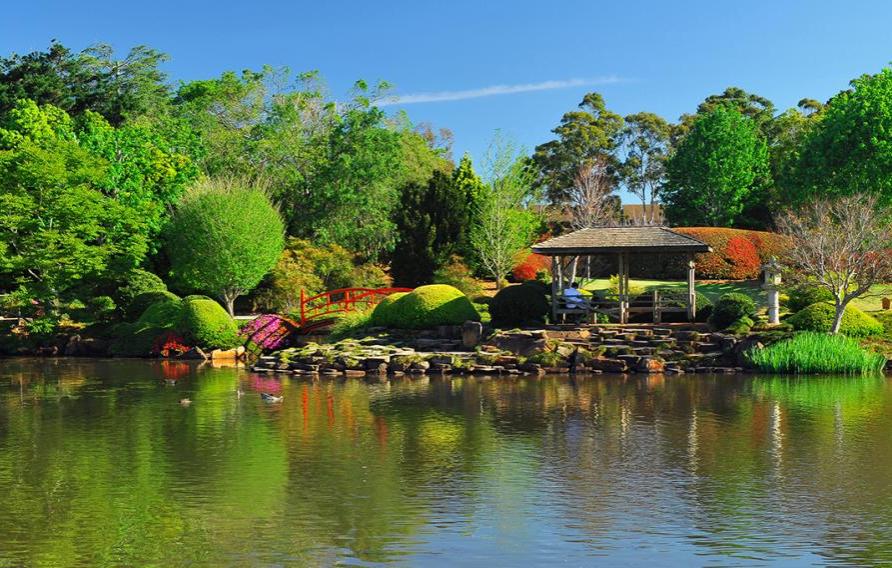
x=772 y=280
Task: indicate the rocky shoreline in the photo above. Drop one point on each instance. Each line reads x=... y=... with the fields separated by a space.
x=463 y=350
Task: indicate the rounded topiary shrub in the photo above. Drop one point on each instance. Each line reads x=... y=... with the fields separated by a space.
x=427 y=306
x=141 y=303
x=804 y=295
x=135 y=283
x=164 y=313
x=519 y=304
x=819 y=317
x=730 y=308
x=206 y=324
x=383 y=314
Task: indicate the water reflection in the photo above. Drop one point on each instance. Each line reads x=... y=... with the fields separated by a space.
x=99 y=464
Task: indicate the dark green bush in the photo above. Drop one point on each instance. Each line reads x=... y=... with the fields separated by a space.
x=137 y=282
x=165 y=313
x=805 y=295
x=134 y=339
x=519 y=304
x=426 y=306
x=205 y=323
x=704 y=310
x=730 y=308
x=819 y=317
x=741 y=326
x=141 y=303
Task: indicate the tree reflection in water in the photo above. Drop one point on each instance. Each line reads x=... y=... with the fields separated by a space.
x=99 y=464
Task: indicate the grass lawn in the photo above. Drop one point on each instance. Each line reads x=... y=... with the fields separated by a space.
x=711 y=289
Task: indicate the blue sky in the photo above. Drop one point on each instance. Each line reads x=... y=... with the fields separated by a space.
x=659 y=56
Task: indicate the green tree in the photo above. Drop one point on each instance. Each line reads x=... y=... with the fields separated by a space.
x=714 y=169
x=645 y=139
x=431 y=222
x=582 y=136
x=224 y=237
x=59 y=232
x=760 y=109
x=471 y=187
x=789 y=130
x=90 y=80
x=849 y=149
x=505 y=224
x=148 y=167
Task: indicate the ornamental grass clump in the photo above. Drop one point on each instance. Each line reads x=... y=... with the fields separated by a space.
x=816 y=353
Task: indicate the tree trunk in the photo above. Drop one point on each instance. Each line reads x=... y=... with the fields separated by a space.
x=229 y=300
x=837 y=320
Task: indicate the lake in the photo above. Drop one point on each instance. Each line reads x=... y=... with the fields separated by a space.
x=101 y=465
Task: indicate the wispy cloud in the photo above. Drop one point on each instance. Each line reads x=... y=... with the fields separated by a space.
x=492 y=91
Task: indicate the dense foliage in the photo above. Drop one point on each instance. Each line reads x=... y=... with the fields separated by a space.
x=804 y=295
x=224 y=237
x=730 y=308
x=715 y=169
x=313 y=269
x=737 y=254
x=813 y=353
x=519 y=304
x=819 y=317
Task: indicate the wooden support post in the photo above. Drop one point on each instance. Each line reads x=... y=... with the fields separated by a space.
x=623 y=288
x=658 y=316
x=555 y=286
x=692 y=292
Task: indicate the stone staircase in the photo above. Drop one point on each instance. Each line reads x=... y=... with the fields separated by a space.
x=650 y=348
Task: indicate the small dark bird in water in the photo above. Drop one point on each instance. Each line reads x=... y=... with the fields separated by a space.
x=185 y=402
x=270 y=398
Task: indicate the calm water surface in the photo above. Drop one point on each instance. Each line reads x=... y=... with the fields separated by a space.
x=100 y=465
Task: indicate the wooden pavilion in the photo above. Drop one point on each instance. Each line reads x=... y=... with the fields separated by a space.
x=624 y=242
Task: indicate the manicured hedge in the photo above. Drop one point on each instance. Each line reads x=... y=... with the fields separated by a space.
x=164 y=313
x=819 y=317
x=141 y=303
x=205 y=323
x=384 y=314
x=804 y=295
x=737 y=254
x=731 y=308
x=519 y=304
x=135 y=283
x=427 y=306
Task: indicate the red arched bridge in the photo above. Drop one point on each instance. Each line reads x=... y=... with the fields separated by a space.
x=271 y=331
x=321 y=310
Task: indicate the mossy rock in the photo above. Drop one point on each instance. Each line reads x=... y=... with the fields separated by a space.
x=819 y=317
x=425 y=307
x=206 y=324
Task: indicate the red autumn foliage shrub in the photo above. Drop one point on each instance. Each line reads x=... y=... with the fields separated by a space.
x=527 y=269
x=743 y=257
x=169 y=343
x=737 y=254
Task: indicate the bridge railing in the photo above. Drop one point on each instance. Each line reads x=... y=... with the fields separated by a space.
x=342 y=300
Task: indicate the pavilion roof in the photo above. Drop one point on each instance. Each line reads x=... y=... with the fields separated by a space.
x=599 y=240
